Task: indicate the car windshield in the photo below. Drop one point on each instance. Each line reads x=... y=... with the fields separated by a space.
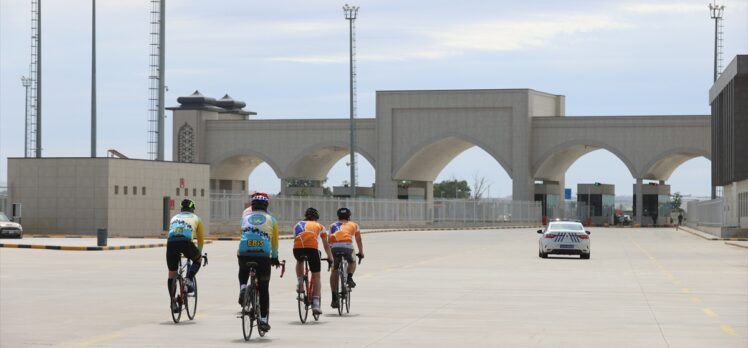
x=3 y=217
x=567 y=227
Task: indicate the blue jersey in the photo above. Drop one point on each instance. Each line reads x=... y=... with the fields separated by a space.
x=259 y=235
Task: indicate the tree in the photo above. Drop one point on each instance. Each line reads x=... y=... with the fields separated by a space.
x=452 y=188
x=480 y=185
x=676 y=199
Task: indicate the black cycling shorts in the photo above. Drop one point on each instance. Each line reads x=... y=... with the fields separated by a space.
x=342 y=252
x=312 y=254
x=176 y=248
x=263 y=266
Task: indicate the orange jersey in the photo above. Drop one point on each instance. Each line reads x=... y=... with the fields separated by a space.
x=306 y=234
x=343 y=232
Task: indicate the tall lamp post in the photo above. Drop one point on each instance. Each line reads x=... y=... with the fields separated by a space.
x=350 y=16
x=26 y=81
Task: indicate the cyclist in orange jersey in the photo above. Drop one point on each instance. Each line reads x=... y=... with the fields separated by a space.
x=341 y=238
x=306 y=234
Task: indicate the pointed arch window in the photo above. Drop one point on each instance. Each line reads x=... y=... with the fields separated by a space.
x=185 y=144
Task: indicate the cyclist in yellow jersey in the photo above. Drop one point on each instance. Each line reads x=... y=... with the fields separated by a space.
x=341 y=238
x=259 y=244
x=184 y=227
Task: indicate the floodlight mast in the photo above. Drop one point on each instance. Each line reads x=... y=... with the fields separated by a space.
x=350 y=15
x=716 y=12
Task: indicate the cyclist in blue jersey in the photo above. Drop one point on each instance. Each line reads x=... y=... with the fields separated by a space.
x=183 y=228
x=259 y=244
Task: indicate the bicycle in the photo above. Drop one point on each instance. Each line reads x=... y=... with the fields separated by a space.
x=343 y=290
x=182 y=297
x=306 y=297
x=251 y=306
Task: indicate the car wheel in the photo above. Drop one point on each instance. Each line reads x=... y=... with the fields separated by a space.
x=543 y=255
x=585 y=256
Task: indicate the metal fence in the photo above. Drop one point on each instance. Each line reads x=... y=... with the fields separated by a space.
x=485 y=211
x=228 y=207
x=706 y=213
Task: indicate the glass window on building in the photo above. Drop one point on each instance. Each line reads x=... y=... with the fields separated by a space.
x=116 y=189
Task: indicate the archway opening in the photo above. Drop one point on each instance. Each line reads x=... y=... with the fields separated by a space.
x=479 y=171
x=338 y=177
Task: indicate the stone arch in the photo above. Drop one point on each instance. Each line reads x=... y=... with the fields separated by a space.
x=662 y=166
x=553 y=164
x=315 y=162
x=186 y=144
x=426 y=160
x=239 y=164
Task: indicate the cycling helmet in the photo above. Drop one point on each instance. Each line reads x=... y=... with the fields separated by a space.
x=311 y=214
x=344 y=214
x=188 y=205
x=260 y=200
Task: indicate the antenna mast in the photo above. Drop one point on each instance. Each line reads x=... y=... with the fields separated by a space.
x=156 y=89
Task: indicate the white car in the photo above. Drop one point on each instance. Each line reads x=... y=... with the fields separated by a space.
x=9 y=228
x=564 y=237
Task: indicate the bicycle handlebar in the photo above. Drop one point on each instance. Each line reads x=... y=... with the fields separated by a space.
x=205 y=259
x=359 y=258
x=283 y=267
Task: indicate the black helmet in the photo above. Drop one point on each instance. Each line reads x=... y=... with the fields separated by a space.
x=344 y=214
x=311 y=214
x=188 y=205
x=260 y=201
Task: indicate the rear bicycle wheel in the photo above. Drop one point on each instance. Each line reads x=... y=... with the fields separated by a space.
x=256 y=304
x=177 y=299
x=347 y=300
x=303 y=302
x=341 y=290
x=191 y=303
x=247 y=314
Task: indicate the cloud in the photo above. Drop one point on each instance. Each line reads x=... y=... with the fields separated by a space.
x=665 y=8
x=518 y=35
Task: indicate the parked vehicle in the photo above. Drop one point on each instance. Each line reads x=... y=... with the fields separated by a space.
x=9 y=228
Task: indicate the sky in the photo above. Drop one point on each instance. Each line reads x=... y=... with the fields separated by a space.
x=289 y=59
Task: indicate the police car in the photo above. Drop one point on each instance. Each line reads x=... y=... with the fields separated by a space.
x=564 y=238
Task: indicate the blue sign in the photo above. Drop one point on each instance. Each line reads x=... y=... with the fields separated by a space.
x=567 y=193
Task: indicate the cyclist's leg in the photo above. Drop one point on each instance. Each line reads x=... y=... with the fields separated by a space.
x=334 y=277
x=297 y=254
x=351 y=265
x=243 y=276
x=193 y=253
x=172 y=263
x=263 y=277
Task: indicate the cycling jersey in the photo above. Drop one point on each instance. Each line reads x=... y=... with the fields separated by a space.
x=186 y=226
x=306 y=234
x=342 y=233
x=259 y=235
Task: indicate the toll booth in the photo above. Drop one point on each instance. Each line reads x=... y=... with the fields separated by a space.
x=548 y=193
x=656 y=203
x=599 y=203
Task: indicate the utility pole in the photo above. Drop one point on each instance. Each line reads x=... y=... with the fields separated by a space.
x=350 y=16
x=93 y=78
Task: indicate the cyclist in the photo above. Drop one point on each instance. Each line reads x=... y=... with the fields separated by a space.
x=259 y=244
x=341 y=237
x=306 y=233
x=183 y=228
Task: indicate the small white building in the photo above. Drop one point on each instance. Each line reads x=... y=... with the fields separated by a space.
x=127 y=197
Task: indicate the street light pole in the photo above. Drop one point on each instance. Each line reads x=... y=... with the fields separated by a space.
x=26 y=82
x=93 y=78
x=350 y=15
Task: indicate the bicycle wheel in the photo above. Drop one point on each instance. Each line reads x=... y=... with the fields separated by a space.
x=303 y=302
x=341 y=290
x=256 y=302
x=178 y=300
x=191 y=298
x=347 y=300
x=247 y=314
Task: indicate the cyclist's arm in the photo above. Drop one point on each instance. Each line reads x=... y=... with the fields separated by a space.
x=359 y=242
x=274 y=241
x=326 y=245
x=200 y=236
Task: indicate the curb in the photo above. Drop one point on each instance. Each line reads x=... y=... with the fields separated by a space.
x=85 y=248
x=737 y=245
x=709 y=236
x=80 y=248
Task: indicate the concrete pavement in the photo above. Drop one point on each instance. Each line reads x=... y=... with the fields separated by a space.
x=641 y=288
